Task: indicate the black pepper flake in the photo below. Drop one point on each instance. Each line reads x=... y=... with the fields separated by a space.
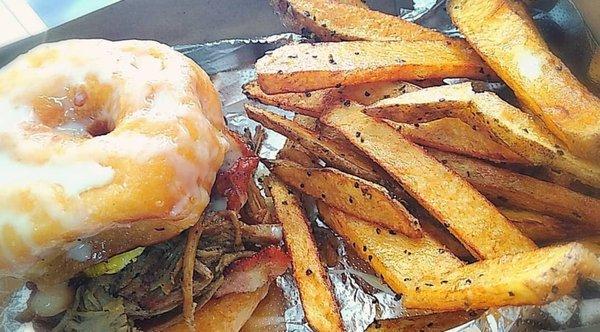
x=511 y=293
x=468 y=281
x=441 y=100
x=292 y=56
x=315 y=56
x=356 y=185
x=397 y=297
x=280 y=71
x=554 y=289
x=441 y=250
x=378 y=230
x=307 y=94
x=362 y=140
x=367 y=93
x=354 y=244
x=416 y=125
x=386 y=96
x=308 y=173
x=339 y=85
x=481 y=70
x=306 y=13
x=407 y=279
x=284 y=202
x=417 y=289
x=430 y=324
x=370 y=258
x=444 y=282
x=331 y=60
x=308 y=272
x=357 y=134
x=301 y=185
x=525 y=130
x=356 y=53
x=446 y=225
x=323 y=196
x=364 y=248
x=428 y=284
x=392 y=232
x=351 y=200
x=347 y=102
x=560 y=152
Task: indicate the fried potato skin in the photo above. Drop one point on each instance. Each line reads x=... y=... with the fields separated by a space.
x=318 y=301
x=509 y=42
x=368 y=201
x=455 y=203
x=525 y=192
x=534 y=277
x=401 y=261
x=308 y=67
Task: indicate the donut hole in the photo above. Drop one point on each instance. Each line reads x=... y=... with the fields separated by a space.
x=100 y=127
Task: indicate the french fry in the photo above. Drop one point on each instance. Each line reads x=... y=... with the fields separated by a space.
x=295 y=152
x=335 y=21
x=307 y=67
x=269 y=314
x=366 y=200
x=534 y=277
x=439 y=233
x=449 y=198
x=439 y=322
x=368 y=93
x=540 y=228
x=226 y=313
x=513 y=47
x=316 y=102
x=318 y=301
x=312 y=103
x=401 y=261
x=331 y=152
x=507 y=187
x=453 y=135
x=504 y=123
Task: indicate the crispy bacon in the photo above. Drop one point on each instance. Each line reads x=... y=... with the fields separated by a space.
x=232 y=180
x=249 y=274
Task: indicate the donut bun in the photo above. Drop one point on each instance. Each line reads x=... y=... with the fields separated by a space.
x=104 y=147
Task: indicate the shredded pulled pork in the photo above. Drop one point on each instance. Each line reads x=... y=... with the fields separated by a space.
x=152 y=285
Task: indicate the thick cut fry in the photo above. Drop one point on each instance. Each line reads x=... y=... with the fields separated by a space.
x=227 y=313
x=505 y=36
x=366 y=200
x=269 y=314
x=540 y=228
x=525 y=192
x=427 y=323
x=307 y=67
x=485 y=111
x=401 y=261
x=331 y=152
x=368 y=93
x=331 y=21
x=316 y=102
x=449 y=198
x=295 y=152
x=316 y=294
x=312 y=103
x=535 y=277
x=453 y=135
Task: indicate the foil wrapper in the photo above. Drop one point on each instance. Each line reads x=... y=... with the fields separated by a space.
x=364 y=298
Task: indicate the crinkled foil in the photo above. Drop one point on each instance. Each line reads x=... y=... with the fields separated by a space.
x=363 y=297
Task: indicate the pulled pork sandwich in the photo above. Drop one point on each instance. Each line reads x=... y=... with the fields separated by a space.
x=123 y=193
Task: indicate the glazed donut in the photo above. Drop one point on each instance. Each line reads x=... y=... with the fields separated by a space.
x=104 y=147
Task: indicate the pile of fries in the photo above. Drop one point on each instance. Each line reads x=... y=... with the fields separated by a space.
x=457 y=199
